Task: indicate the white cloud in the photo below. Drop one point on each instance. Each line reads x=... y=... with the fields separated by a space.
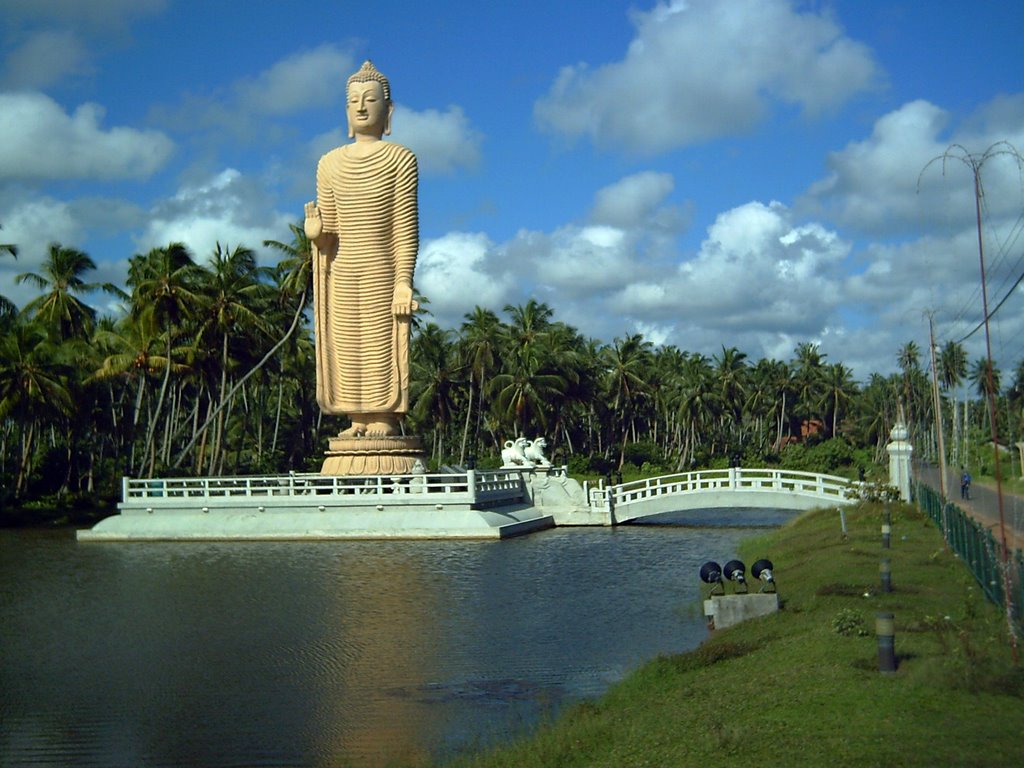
x=755 y=270
x=307 y=79
x=442 y=141
x=575 y=261
x=458 y=272
x=888 y=183
x=703 y=69
x=631 y=201
x=44 y=59
x=228 y=208
x=38 y=140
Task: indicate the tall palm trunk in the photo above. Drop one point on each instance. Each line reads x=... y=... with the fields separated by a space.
x=465 y=427
x=151 y=435
x=273 y=350
x=27 y=446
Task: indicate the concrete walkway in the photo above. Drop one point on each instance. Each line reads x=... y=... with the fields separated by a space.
x=983 y=505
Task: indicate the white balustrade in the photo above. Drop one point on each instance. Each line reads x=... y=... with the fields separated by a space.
x=826 y=487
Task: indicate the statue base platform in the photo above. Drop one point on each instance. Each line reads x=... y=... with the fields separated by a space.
x=368 y=455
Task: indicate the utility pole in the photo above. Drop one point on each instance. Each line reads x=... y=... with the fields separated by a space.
x=975 y=163
x=937 y=404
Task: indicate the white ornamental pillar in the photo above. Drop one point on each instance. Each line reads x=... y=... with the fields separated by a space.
x=899 y=450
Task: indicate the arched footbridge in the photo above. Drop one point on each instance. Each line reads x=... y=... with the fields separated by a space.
x=719 y=488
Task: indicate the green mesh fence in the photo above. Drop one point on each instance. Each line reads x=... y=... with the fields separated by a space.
x=978 y=548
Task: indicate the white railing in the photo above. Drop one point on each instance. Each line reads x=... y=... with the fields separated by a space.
x=483 y=486
x=828 y=488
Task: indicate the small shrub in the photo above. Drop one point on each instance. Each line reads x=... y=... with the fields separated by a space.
x=878 y=493
x=849 y=623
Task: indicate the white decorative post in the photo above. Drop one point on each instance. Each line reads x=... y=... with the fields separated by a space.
x=899 y=450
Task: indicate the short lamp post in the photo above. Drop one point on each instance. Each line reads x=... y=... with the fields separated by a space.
x=885 y=632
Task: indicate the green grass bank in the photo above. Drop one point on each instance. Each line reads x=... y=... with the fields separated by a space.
x=802 y=687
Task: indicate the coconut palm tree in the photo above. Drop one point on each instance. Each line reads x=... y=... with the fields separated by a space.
x=524 y=388
x=33 y=388
x=61 y=280
x=627 y=364
x=232 y=294
x=699 y=406
x=731 y=379
x=952 y=371
x=764 y=400
x=984 y=383
x=909 y=361
x=293 y=275
x=479 y=350
x=838 y=391
x=807 y=372
x=165 y=288
x=436 y=373
x=986 y=380
x=133 y=355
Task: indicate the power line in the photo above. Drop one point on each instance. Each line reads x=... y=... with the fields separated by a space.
x=991 y=314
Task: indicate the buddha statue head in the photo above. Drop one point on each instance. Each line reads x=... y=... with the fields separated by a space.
x=368 y=103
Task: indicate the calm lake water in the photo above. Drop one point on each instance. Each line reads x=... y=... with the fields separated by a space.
x=330 y=653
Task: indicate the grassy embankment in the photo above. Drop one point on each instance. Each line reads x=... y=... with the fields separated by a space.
x=801 y=687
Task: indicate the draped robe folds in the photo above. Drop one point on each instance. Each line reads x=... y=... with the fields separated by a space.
x=362 y=348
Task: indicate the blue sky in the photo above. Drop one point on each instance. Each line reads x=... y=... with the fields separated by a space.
x=712 y=172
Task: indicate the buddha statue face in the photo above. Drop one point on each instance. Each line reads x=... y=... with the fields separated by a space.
x=369 y=112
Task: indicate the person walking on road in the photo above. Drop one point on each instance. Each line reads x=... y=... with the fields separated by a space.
x=965 y=485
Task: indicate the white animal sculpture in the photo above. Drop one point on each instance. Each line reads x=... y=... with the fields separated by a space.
x=535 y=452
x=514 y=453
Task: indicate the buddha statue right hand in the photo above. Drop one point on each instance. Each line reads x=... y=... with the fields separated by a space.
x=314 y=224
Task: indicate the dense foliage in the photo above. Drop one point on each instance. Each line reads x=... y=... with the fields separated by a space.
x=206 y=367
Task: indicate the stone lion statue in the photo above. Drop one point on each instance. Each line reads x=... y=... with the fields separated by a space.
x=535 y=452
x=514 y=453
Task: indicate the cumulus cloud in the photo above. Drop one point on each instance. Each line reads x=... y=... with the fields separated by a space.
x=756 y=269
x=700 y=69
x=892 y=182
x=460 y=271
x=443 y=141
x=306 y=79
x=631 y=201
x=228 y=208
x=45 y=58
x=39 y=141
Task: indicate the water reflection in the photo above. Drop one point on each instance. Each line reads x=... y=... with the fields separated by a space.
x=326 y=653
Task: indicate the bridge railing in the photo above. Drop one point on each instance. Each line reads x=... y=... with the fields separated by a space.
x=472 y=486
x=825 y=487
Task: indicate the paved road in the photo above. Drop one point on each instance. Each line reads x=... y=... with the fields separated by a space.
x=983 y=505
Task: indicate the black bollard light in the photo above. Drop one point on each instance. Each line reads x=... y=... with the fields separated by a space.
x=762 y=570
x=885 y=632
x=711 y=573
x=885 y=572
x=735 y=571
x=886 y=528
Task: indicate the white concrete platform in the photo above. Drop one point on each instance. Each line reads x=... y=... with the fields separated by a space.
x=410 y=522
x=467 y=504
x=726 y=610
